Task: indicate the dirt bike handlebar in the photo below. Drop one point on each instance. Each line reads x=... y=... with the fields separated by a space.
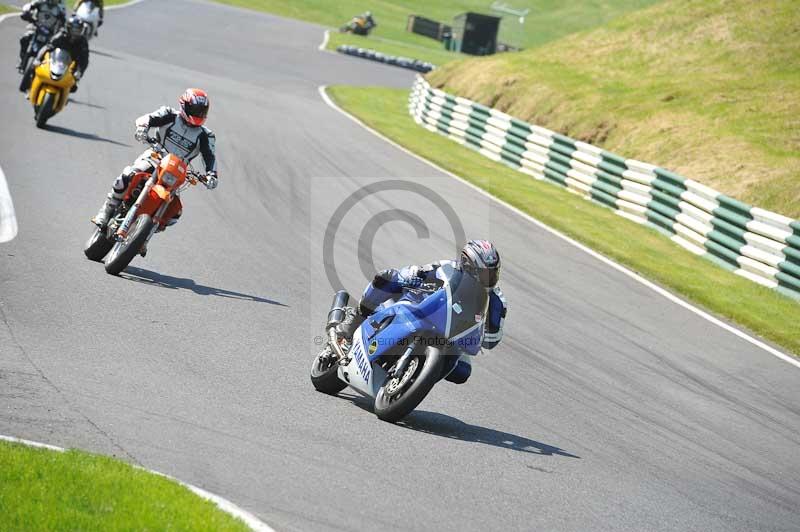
x=161 y=150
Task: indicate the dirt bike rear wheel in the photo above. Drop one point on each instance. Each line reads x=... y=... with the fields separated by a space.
x=122 y=252
x=45 y=110
x=98 y=245
x=398 y=396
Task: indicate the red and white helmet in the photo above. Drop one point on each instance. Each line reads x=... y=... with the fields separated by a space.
x=194 y=106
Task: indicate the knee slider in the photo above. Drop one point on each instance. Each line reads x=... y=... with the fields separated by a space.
x=460 y=373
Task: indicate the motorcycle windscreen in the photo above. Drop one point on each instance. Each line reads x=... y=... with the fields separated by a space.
x=469 y=303
x=59 y=63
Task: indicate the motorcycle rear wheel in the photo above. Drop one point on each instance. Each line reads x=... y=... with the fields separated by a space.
x=45 y=110
x=122 y=252
x=324 y=374
x=398 y=397
x=98 y=245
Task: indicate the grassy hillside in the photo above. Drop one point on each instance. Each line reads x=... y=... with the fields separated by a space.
x=547 y=21
x=710 y=89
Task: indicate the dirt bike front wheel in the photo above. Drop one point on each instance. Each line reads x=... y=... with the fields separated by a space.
x=123 y=251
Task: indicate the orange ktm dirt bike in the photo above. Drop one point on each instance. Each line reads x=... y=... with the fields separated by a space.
x=151 y=200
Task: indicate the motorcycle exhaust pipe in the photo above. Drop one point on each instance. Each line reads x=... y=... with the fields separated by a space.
x=337 y=312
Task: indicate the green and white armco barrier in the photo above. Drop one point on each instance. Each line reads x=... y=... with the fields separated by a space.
x=757 y=244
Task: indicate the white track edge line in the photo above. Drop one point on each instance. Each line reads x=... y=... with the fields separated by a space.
x=325 y=38
x=622 y=269
x=223 y=504
x=8 y=219
x=9 y=15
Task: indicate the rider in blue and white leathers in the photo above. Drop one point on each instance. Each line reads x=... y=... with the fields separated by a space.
x=478 y=258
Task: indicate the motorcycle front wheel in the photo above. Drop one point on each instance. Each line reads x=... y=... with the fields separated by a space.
x=401 y=394
x=122 y=252
x=98 y=245
x=27 y=76
x=45 y=110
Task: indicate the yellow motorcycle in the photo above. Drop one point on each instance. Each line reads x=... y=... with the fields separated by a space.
x=52 y=82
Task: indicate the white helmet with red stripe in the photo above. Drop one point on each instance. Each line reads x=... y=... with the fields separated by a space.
x=194 y=106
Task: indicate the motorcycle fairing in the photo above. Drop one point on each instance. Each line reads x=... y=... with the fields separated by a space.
x=154 y=201
x=363 y=376
x=455 y=312
x=44 y=83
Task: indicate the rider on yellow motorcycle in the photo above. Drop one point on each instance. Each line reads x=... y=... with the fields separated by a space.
x=71 y=39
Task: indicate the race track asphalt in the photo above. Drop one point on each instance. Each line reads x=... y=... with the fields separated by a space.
x=606 y=407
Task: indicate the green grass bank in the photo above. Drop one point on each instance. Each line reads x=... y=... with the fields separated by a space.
x=709 y=89
x=47 y=490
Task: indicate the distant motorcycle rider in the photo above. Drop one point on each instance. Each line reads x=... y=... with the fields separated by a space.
x=181 y=132
x=369 y=22
x=479 y=258
x=50 y=14
x=360 y=25
x=97 y=3
x=71 y=39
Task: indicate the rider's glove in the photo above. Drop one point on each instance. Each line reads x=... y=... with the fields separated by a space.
x=141 y=133
x=410 y=282
x=78 y=75
x=211 y=180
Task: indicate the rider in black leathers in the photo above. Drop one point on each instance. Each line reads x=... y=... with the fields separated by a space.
x=49 y=14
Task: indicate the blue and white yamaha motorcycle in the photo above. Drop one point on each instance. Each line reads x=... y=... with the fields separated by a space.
x=406 y=346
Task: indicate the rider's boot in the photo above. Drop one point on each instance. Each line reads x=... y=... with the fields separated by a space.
x=352 y=321
x=108 y=209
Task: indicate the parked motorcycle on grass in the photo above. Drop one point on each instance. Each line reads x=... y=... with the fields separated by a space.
x=151 y=200
x=403 y=349
x=52 y=82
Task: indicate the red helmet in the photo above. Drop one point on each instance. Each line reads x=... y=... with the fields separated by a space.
x=194 y=106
